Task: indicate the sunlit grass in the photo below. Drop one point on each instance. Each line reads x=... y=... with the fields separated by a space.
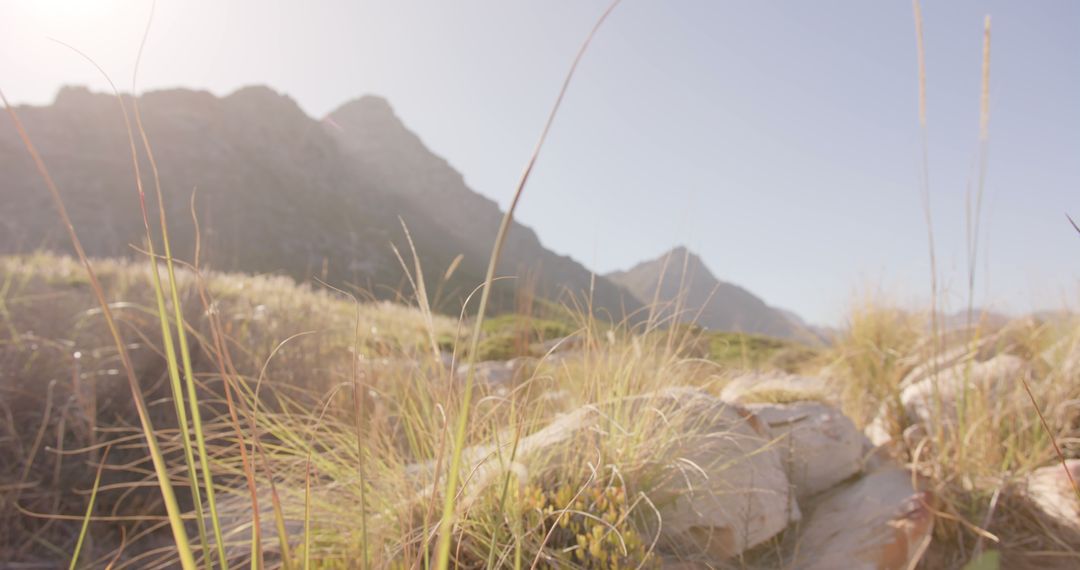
x=310 y=430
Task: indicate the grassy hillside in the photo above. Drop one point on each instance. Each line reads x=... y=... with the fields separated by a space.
x=356 y=483
x=225 y=420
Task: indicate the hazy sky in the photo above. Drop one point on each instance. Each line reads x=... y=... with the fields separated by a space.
x=778 y=140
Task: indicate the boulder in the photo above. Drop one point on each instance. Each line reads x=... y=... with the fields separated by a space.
x=937 y=396
x=718 y=485
x=818 y=445
x=880 y=522
x=963 y=346
x=991 y=377
x=957 y=352
x=725 y=489
x=1050 y=491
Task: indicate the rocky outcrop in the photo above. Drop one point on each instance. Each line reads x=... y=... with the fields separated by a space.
x=380 y=148
x=721 y=487
x=278 y=192
x=723 y=478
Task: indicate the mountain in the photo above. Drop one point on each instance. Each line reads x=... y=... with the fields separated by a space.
x=276 y=191
x=679 y=280
x=381 y=149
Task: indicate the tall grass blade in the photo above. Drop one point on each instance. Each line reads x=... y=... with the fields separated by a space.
x=185 y=352
x=172 y=507
x=925 y=174
x=447 y=522
x=162 y=313
x=89 y=509
x=974 y=211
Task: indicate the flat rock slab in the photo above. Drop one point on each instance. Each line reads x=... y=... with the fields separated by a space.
x=880 y=522
x=767 y=387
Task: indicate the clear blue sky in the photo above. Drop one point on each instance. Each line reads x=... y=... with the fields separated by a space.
x=778 y=140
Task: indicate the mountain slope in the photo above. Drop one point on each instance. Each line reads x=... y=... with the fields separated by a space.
x=380 y=148
x=277 y=192
x=702 y=298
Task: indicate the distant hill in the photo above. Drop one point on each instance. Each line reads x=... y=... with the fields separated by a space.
x=277 y=192
x=683 y=278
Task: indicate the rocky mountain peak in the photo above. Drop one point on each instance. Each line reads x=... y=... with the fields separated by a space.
x=681 y=275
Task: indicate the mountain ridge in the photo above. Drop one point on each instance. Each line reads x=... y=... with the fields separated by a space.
x=367 y=126
x=281 y=192
x=680 y=280
x=278 y=192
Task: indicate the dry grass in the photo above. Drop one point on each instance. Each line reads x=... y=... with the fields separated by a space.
x=62 y=388
x=333 y=430
x=982 y=436
x=302 y=423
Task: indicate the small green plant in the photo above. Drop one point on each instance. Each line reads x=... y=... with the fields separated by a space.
x=594 y=526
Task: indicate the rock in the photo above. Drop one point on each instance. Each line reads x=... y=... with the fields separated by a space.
x=718 y=486
x=1064 y=356
x=544 y=446
x=879 y=431
x=818 y=445
x=880 y=522
x=959 y=347
x=725 y=489
x=992 y=378
x=961 y=353
x=774 y=387
x=236 y=517
x=1052 y=493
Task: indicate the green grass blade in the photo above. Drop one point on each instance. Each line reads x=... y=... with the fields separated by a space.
x=89 y=510
x=178 y=399
x=172 y=507
x=185 y=355
x=447 y=522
